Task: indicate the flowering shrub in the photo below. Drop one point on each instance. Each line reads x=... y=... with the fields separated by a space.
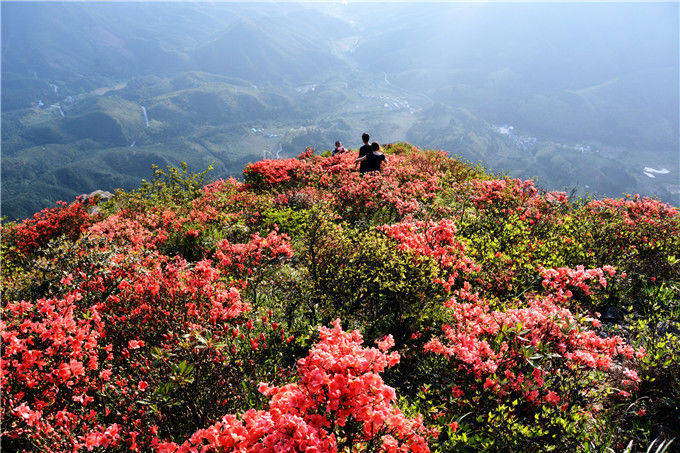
x=436 y=241
x=541 y=358
x=340 y=403
x=241 y=259
x=50 y=369
x=251 y=263
x=137 y=339
x=639 y=232
x=562 y=279
x=506 y=197
x=551 y=333
x=68 y=220
x=139 y=327
x=273 y=172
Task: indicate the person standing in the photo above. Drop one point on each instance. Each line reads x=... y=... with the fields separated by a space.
x=364 y=151
x=373 y=160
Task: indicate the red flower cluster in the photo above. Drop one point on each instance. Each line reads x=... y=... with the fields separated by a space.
x=70 y=220
x=558 y=280
x=50 y=369
x=638 y=231
x=521 y=350
x=400 y=186
x=124 y=228
x=340 y=402
x=634 y=210
x=435 y=240
x=270 y=172
x=512 y=196
x=242 y=259
x=74 y=370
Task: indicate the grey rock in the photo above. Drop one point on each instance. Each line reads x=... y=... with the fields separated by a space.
x=100 y=194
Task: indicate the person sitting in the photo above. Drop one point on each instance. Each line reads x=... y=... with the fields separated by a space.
x=339 y=149
x=363 y=151
x=373 y=160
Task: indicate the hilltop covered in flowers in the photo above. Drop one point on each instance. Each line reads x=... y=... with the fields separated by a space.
x=430 y=307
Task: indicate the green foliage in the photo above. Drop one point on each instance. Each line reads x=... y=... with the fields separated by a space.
x=173 y=188
x=657 y=413
x=288 y=220
x=337 y=260
x=360 y=277
x=174 y=185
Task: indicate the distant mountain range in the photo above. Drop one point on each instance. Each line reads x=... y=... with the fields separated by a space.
x=79 y=46
x=94 y=93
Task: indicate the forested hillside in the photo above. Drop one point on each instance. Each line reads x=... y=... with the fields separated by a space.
x=432 y=307
x=576 y=96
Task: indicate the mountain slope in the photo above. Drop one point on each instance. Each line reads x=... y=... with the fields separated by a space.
x=592 y=87
x=428 y=307
x=265 y=52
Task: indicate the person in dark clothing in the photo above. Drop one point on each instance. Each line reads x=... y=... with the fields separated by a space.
x=373 y=160
x=339 y=149
x=364 y=150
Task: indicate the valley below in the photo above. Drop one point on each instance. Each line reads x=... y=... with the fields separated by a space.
x=240 y=91
x=110 y=137
x=188 y=266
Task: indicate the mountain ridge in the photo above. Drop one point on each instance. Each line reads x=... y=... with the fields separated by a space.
x=432 y=306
